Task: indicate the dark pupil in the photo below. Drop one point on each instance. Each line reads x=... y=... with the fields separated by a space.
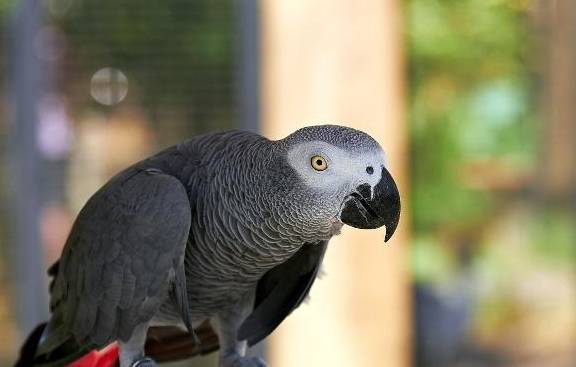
x=319 y=162
x=370 y=170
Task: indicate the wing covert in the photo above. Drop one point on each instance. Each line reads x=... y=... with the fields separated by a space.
x=122 y=255
x=281 y=290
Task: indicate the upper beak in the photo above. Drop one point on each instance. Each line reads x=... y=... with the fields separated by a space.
x=363 y=210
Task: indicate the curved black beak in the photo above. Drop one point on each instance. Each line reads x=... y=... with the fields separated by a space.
x=362 y=210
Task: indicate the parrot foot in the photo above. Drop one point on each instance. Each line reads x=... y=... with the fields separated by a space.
x=238 y=361
x=145 y=362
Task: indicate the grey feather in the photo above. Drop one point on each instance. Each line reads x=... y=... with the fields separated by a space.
x=104 y=269
x=187 y=234
x=281 y=290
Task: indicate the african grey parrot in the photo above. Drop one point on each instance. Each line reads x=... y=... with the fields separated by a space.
x=229 y=228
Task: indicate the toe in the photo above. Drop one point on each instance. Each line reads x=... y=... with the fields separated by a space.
x=258 y=362
x=145 y=362
x=245 y=362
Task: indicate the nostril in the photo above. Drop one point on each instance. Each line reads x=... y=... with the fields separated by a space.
x=370 y=170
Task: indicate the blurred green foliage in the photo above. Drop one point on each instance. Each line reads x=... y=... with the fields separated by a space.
x=472 y=69
x=471 y=66
x=553 y=233
x=484 y=231
x=178 y=55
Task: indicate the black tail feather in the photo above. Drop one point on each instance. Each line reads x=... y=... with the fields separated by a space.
x=28 y=350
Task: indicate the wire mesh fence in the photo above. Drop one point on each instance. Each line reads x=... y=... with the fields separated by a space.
x=92 y=87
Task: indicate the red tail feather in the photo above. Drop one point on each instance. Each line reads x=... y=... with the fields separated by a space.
x=107 y=357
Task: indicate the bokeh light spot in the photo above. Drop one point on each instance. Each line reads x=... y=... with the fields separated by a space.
x=109 y=86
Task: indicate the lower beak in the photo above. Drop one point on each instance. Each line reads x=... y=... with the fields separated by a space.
x=368 y=208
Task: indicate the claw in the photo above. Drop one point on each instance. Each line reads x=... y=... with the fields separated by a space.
x=195 y=337
x=144 y=362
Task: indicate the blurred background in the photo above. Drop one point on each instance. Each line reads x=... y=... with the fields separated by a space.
x=473 y=100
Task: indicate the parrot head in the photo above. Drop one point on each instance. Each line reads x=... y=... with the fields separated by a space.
x=343 y=173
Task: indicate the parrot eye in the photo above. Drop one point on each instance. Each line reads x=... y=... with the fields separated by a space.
x=319 y=163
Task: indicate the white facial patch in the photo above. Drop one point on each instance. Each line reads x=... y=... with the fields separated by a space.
x=345 y=170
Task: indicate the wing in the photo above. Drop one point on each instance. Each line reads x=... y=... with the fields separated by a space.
x=121 y=261
x=281 y=290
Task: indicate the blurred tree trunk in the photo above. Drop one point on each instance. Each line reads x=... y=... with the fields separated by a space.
x=558 y=168
x=336 y=61
x=27 y=86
